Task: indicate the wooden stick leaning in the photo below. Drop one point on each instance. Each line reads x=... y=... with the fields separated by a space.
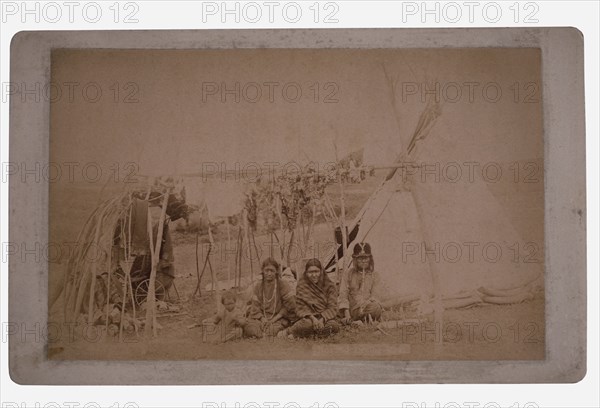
x=72 y=266
x=215 y=282
x=238 y=259
x=85 y=277
x=94 y=268
x=108 y=287
x=197 y=290
x=342 y=219
x=155 y=256
x=241 y=256
x=132 y=303
x=424 y=125
x=247 y=231
x=227 y=262
x=124 y=303
x=258 y=258
x=127 y=271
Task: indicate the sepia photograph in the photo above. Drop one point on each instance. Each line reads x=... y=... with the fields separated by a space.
x=296 y=204
x=299 y=204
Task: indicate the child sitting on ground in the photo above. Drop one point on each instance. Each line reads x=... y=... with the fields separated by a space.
x=230 y=317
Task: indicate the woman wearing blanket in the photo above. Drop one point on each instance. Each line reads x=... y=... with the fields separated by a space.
x=316 y=304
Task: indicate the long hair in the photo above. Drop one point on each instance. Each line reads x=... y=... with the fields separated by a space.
x=313 y=262
x=371 y=266
x=315 y=297
x=272 y=262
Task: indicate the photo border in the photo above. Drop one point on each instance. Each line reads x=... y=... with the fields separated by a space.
x=564 y=213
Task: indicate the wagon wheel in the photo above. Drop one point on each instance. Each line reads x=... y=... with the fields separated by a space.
x=141 y=291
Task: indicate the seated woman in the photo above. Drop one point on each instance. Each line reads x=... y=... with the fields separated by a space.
x=272 y=305
x=359 y=286
x=316 y=303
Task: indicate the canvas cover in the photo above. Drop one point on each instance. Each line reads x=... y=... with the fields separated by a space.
x=474 y=240
x=468 y=251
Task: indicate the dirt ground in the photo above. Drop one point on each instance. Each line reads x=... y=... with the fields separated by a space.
x=492 y=332
x=512 y=332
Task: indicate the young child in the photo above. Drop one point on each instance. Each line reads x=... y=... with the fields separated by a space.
x=230 y=317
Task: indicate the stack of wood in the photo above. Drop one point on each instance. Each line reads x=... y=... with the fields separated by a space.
x=93 y=258
x=98 y=289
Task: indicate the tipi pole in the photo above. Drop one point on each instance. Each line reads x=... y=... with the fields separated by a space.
x=342 y=217
x=424 y=125
x=433 y=266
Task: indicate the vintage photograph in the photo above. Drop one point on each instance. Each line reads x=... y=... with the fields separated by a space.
x=296 y=204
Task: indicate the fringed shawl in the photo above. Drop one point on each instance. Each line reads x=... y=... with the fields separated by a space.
x=313 y=299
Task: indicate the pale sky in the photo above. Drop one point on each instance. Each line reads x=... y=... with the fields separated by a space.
x=178 y=124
